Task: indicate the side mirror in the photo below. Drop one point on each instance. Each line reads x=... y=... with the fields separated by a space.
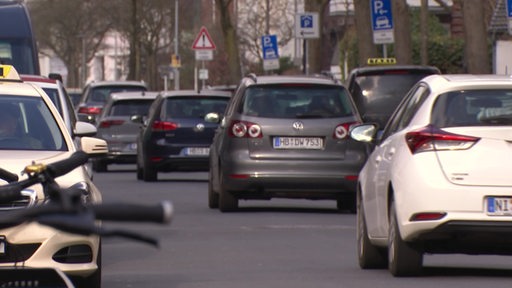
x=94 y=146
x=137 y=119
x=84 y=129
x=212 y=117
x=365 y=133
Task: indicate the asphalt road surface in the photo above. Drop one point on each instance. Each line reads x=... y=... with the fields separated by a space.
x=271 y=244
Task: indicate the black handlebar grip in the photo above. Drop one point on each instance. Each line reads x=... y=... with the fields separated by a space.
x=10 y=192
x=160 y=213
x=62 y=167
x=8 y=176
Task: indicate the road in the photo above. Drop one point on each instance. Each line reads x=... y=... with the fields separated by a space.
x=278 y=243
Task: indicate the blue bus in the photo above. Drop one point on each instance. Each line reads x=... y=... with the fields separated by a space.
x=17 y=42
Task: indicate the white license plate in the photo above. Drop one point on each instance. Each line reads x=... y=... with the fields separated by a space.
x=197 y=151
x=499 y=206
x=298 y=143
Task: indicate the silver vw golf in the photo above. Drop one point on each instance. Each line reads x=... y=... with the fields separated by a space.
x=286 y=137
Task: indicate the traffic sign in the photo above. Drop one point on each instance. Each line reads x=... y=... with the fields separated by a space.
x=203 y=40
x=509 y=15
x=306 y=25
x=269 y=47
x=382 y=21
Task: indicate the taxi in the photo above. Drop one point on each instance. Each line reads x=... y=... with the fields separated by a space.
x=31 y=129
x=378 y=87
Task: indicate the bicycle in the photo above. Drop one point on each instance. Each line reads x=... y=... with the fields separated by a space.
x=65 y=211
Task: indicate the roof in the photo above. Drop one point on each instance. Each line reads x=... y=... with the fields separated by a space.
x=373 y=69
x=459 y=81
x=133 y=95
x=204 y=92
x=37 y=78
x=305 y=79
x=117 y=83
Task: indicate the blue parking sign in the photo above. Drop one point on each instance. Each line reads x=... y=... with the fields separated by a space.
x=269 y=47
x=382 y=17
x=306 y=21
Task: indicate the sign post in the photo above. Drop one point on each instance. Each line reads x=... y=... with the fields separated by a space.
x=306 y=27
x=270 y=52
x=382 y=23
x=203 y=46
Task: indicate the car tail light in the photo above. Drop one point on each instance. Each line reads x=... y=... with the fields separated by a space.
x=341 y=131
x=109 y=123
x=245 y=129
x=427 y=216
x=90 y=110
x=430 y=138
x=164 y=126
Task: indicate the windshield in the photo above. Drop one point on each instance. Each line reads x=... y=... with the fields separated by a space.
x=100 y=94
x=193 y=107
x=377 y=96
x=54 y=96
x=296 y=101
x=130 y=107
x=473 y=108
x=26 y=123
x=19 y=53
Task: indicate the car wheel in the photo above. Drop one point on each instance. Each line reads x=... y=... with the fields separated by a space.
x=370 y=256
x=93 y=280
x=213 y=196
x=99 y=166
x=404 y=259
x=346 y=204
x=139 y=172
x=227 y=201
x=149 y=174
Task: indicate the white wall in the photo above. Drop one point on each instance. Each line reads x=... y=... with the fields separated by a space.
x=503 y=58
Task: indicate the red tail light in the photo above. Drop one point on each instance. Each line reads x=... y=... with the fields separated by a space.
x=244 y=129
x=164 y=126
x=427 y=216
x=430 y=138
x=341 y=131
x=109 y=123
x=89 y=110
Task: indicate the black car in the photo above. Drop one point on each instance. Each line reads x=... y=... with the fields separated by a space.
x=176 y=135
x=378 y=89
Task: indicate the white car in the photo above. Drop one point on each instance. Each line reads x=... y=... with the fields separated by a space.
x=31 y=129
x=438 y=178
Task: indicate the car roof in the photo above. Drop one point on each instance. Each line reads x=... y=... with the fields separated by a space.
x=474 y=81
x=205 y=92
x=302 y=79
x=37 y=78
x=133 y=95
x=117 y=83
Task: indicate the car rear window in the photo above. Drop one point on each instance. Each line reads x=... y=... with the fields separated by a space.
x=473 y=108
x=130 y=107
x=193 y=107
x=296 y=101
x=100 y=94
x=377 y=95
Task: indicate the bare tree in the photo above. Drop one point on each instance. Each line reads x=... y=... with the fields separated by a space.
x=225 y=9
x=475 y=36
x=69 y=35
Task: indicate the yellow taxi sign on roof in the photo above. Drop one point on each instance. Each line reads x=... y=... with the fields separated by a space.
x=381 y=61
x=8 y=72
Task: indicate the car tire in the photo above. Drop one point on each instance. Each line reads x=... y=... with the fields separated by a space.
x=139 y=172
x=403 y=258
x=369 y=255
x=227 y=201
x=93 y=280
x=346 y=204
x=213 y=196
x=149 y=174
x=99 y=166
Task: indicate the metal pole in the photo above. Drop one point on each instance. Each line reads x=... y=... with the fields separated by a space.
x=176 y=71
x=84 y=66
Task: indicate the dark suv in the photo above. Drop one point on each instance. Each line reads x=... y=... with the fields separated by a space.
x=286 y=137
x=378 y=89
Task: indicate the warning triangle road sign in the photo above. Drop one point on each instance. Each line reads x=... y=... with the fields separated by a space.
x=203 y=41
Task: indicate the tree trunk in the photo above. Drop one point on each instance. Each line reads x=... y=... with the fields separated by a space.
x=224 y=7
x=364 y=31
x=402 y=30
x=475 y=36
x=319 y=57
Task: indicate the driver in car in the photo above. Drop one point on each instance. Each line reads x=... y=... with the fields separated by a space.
x=11 y=134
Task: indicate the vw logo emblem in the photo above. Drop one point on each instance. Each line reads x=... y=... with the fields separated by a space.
x=199 y=127
x=298 y=125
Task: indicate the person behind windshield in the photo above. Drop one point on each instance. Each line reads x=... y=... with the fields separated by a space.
x=11 y=134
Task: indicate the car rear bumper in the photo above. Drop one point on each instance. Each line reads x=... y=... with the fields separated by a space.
x=180 y=163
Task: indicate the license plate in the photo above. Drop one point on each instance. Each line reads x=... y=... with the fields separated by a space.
x=298 y=143
x=499 y=206
x=197 y=151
